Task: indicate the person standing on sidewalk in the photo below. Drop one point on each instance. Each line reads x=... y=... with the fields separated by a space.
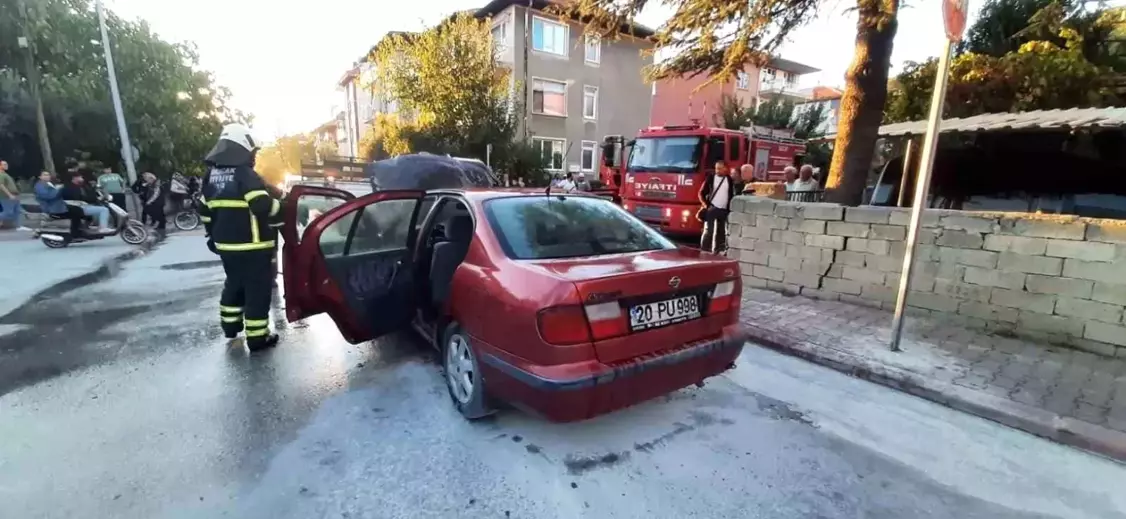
x=239 y=215
x=715 y=196
x=113 y=185
x=10 y=211
x=154 y=201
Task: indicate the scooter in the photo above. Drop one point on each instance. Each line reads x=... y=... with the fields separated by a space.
x=54 y=231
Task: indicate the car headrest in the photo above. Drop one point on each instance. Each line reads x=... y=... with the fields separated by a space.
x=460 y=229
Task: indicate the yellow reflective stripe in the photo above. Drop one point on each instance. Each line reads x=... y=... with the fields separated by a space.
x=205 y=219
x=230 y=309
x=241 y=247
x=275 y=207
x=259 y=332
x=227 y=204
x=257 y=323
x=254 y=234
x=230 y=319
x=251 y=195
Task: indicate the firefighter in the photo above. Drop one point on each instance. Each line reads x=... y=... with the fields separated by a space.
x=241 y=219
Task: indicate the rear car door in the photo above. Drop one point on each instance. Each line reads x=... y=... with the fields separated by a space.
x=359 y=268
x=303 y=204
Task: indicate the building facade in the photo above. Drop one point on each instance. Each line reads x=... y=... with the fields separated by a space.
x=576 y=89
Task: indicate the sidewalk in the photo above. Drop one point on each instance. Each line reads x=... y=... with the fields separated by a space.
x=31 y=269
x=1069 y=396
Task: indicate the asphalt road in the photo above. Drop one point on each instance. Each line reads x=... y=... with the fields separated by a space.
x=121 y=399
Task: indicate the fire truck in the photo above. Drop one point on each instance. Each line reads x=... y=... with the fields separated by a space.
x=659 y=179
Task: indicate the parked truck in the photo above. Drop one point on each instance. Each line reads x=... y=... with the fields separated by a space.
x=659 y=178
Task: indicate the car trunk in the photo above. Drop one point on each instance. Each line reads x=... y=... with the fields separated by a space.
x=661 y=282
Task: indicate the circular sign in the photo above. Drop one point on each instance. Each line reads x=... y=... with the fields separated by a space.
x=954 y=13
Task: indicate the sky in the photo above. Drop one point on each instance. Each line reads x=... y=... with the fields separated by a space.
x=282 y=60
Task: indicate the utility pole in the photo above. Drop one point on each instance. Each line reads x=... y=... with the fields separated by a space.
x=122 y=131
x=28 y=42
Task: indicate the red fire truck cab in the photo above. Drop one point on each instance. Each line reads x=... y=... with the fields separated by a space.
x=660 y=181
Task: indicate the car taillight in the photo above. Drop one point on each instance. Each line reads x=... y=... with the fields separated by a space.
x=722 y=295
x=606 y=320
x=563 y=325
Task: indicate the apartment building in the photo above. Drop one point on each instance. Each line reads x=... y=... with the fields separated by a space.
x=830 y=99
x=677 y=100
x=363 y=100
x=578 y=89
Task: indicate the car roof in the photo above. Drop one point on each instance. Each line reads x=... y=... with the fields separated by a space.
x=489 y=193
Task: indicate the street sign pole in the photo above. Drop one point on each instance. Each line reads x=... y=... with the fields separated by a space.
x=127 y=149
x=954 y=16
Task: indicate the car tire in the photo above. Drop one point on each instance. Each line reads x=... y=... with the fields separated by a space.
x=462 y=374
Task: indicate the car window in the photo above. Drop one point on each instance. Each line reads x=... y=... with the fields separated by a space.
x=378 y=227
x=542 y=227
x=309 y=207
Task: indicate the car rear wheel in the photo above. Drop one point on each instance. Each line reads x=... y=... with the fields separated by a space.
x=463 y=377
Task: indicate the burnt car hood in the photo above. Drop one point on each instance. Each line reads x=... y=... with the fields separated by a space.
x=426 y=172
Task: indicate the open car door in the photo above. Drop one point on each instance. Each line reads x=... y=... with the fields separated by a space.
x=303 y=204
x=358 y=264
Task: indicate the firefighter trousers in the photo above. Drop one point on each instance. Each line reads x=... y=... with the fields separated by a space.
x=245 y=302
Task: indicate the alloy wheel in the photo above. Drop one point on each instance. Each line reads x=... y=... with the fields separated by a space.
x=460 y=374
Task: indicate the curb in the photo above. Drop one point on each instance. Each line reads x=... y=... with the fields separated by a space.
x=1093 y=438
x=102 y=271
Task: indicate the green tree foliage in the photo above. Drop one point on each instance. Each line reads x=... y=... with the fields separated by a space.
x=718 y=37
x=775 y=113
x=173 y=109
x=1064 y=68
x=455 y=97
x=285 y=156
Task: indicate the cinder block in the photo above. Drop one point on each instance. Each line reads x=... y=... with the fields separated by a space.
x=1095 y=271
x=988 y=312
x=805 y=279
x=759 y=205
x=1013 y=262
x=851 y=230
x=1037 y=322
x=768 y=273
x=833 y=272
x=879 y=293
x=841 y=286
x=1089 y=310
x=790 y=237
x=1017 y=244
x=868 y=214
x=1069 y=287
x=787 y=209
x=1108 y=231
x=1086 y=251
x=1096 y=347
x=863 y=275
x=741 y=218
x=978 y=224
x=771 y=247
x=785 y=288
x=889 y=263
x=931 y=301
x=926 y=236
x=738 y=204
x=810 y=253
x=995 y=278
x=736 y=241
x=1110 y=293
x=1062 y=227
x=961 y=239
x=825 y=241
x=1021 y=300
x=754 y=257
x=772 y=222
x=860 y=301
x=822 y=211
x=962 y=290
x=869 y=246
x=757 y=233
x=1103 y=332
x=816 y=267
x=753 y=282
x=851 y=259
x=781 y=261
x=929 y=218
x=808 y=226
x=888 y=232
x=823 y=295
x=968 y=257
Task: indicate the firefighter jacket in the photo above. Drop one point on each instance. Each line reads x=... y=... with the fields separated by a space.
x=237 y=210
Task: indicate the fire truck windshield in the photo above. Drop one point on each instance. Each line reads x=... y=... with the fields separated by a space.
x=671 y=154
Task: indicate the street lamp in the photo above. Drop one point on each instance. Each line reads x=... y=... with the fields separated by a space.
x=128 y=152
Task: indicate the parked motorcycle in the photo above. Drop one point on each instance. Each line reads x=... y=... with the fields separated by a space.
x=187 y=217
x=54 y=231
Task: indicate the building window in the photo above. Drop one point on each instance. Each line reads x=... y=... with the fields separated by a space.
x=590 y=102
x=549 y=97
x=742 y=80
x=500 y=35
x=589 y=156
x=549 y=37
x=551 y=152
x=593 y=49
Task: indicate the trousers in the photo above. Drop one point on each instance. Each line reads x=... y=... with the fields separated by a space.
x=245 y=301
x=714 y=238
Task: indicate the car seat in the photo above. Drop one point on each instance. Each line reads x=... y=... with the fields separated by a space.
x=448 y=254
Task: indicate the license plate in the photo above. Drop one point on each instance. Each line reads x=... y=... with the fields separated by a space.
x=664 y=313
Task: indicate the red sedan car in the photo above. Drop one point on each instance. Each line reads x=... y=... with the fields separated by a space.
x=564 y=306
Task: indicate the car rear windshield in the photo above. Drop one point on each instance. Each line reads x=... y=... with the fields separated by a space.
x=545 y=227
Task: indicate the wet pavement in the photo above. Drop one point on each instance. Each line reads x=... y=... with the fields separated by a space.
x=121 y=399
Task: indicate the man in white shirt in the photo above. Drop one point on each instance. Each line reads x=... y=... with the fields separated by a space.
x=805 y=181
x=791 y=177
x=715 y=197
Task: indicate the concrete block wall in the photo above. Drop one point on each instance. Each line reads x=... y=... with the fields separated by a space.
x=1060 y=279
